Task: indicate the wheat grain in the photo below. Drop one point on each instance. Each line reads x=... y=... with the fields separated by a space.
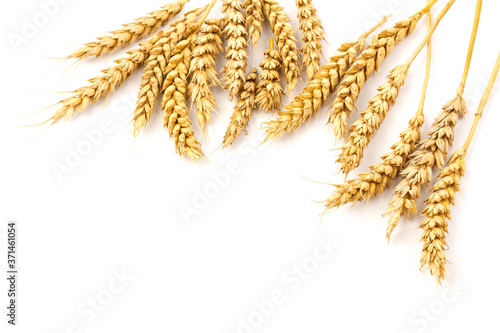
x=364 y=65
x=236 y=53
x=317 y=90
x=202 y=70
x=176 y=118
x=242 y=110
x=286 y=41
x=269 y=91
x=312 y=36
x=140 y=28
x=254 y=19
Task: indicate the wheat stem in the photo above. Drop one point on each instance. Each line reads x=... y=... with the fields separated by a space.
x=473 y=35
x=482 y=103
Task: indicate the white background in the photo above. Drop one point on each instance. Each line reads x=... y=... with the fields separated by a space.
x=120 y=207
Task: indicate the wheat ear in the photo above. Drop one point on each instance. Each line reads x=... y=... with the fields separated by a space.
x=312 y=36
x=202 y=70
x=431 y=152
x=236 y=53
x=176 y=118
x=140 y=28
x=254 y=19
x=286 y=41
x=317 y=90
x=363 y=129
x=364 y=65
x=154 y=72
x=269 y=91
x=242 y=110
x=102 y=86
x=442 y=194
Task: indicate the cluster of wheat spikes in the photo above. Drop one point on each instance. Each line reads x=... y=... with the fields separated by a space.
x=179 y=64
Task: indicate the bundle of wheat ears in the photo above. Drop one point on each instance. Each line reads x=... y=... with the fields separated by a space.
x=179 y=64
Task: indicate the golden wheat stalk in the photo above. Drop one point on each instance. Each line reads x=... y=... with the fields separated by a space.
x=312 y=36
x=206 y=47
x=286 y=41
x=442 y=195
x=176 y=117
x=364 y=65
x=430 y=152
x=236 y=53
x=318 y=89
x=102 y=86
x=254 y=19
x=242 y=110
x=269 y=90
x=140 y=28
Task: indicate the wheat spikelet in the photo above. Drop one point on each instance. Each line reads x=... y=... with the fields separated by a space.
x=437 y=212
x=382 y=174
x=367 y=62
x=254 y=19
x=312 y=36
x=102 y=86
x=154 y=72
x=242 y=110
x=318 y=89
x=202 y=70
x=369 y=122
x=430 y=153
x=285 y=39
x=269 y=91
x=140 y=28
x=236 y=53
